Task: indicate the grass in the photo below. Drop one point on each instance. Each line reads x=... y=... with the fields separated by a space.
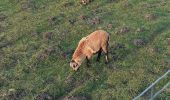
x=32 y=61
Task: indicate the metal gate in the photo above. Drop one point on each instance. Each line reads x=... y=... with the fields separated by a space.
x=150 y=89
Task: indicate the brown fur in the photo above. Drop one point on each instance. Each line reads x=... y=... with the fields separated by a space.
x=79 y=49
x=93 y=43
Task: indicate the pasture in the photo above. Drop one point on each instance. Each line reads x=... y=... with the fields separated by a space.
x=38 y=37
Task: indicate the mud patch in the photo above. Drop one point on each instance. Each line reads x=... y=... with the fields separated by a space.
x=85 y=2
x=55 y=20
x=2 y=17
x=67 y=53
x=11 y=60
x=141 y=29
x=74 y=98
x=2 y=28
x=125 y=82
x=70 y=80
x=138 y=42
x=72 y=21
x=43 y=96
x=168 y=41
x=13 y=94
x=112 y=1
x=109 y=26
x=49 y=50
x=96 y=11
x=34 y=33
x=41 y=56
x=94 y=21
x=68 y=4
x=151 y=50
x=122 y=30
x=51 y=20
x=45 y=53
x=150 y=17
x=28 y=5
x=47 y=36
x=82 y=17
x=126 y=4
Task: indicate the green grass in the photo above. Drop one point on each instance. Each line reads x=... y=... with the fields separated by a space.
x=25 y=66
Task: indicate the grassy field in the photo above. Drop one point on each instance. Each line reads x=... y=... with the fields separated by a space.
x=38 y=37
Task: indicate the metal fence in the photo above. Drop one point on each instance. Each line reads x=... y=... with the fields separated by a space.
x=152 y=95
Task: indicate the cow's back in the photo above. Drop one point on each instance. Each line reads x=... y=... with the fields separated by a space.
x=96 y=39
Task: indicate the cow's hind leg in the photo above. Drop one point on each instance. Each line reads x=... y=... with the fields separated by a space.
x=105 y=50
x=99 y=54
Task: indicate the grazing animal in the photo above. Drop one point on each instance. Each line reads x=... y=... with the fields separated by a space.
x=96 y=42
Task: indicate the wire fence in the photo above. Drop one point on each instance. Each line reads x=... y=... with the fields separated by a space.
x=151 y=88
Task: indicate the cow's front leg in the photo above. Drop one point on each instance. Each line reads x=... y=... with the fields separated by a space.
x=87 y=62
x=99 y=54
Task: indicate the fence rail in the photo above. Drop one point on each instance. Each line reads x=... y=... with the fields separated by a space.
x=152 y=96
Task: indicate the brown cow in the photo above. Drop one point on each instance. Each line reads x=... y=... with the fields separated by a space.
x=94 y=43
